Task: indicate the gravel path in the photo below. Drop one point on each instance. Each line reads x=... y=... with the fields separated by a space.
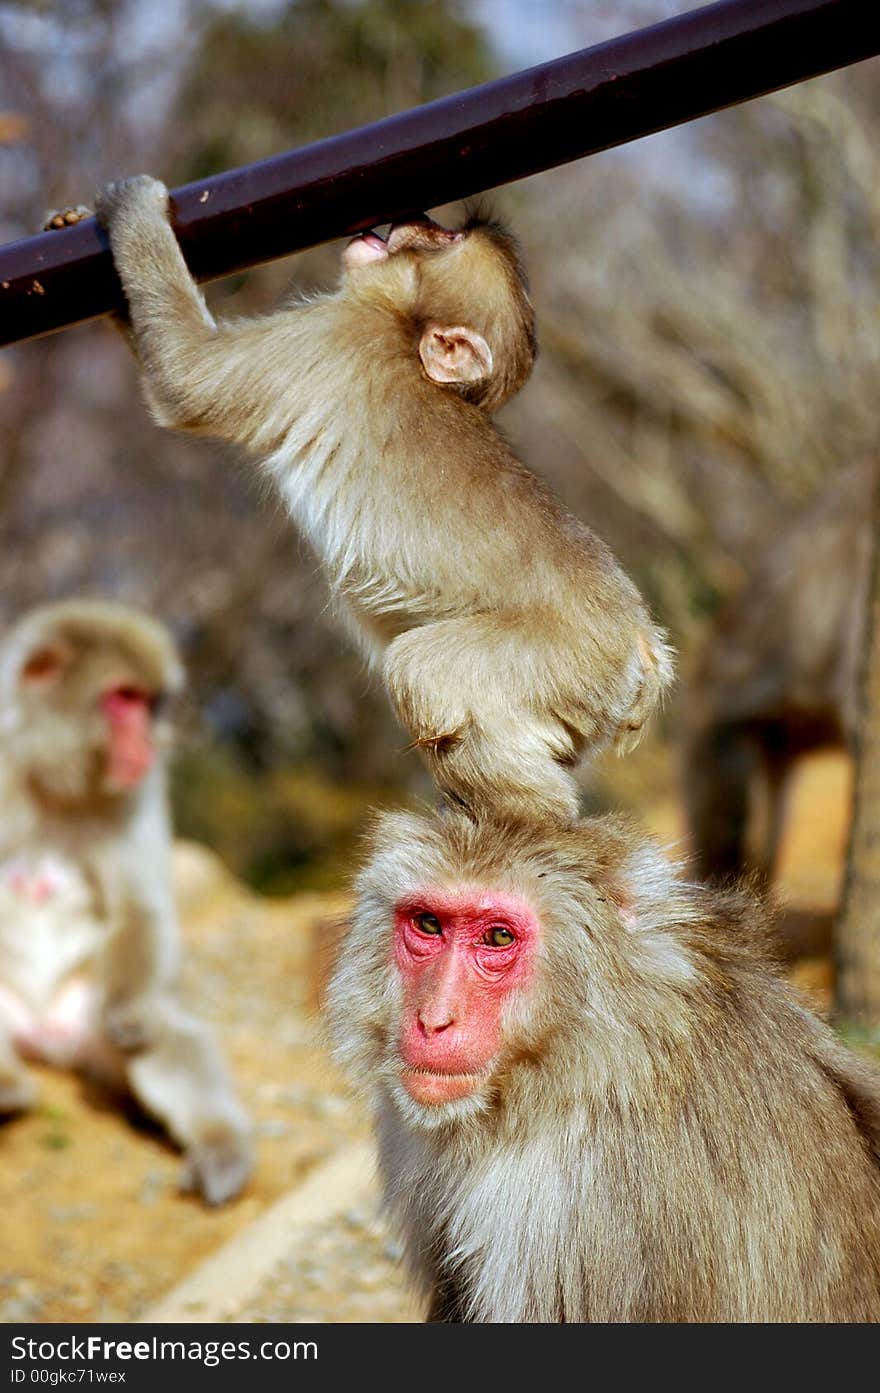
x=345 y=1269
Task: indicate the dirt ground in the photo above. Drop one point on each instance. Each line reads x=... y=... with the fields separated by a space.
x=95 y=1228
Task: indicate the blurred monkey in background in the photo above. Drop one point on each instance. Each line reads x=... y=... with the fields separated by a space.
x=88 y=931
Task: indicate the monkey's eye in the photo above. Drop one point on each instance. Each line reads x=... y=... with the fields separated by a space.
x=427 y=923
x=42 y=666
x=498 y=937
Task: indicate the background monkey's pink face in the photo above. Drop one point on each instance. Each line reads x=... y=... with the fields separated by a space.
x=128 y=711
x=72 y=691
x=460 y=956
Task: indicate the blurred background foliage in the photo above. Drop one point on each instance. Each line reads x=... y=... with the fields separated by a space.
x=707 y=300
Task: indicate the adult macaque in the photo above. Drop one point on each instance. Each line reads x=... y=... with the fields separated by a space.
x=596 y=1101
x=508 y=637
x=88 y=935
x=778 y=676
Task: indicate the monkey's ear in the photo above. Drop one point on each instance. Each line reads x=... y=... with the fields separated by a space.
x=643 y=887
x=44 y=666
x=454 y=354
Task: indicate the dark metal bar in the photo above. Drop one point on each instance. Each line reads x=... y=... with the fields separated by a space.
x=631 y=86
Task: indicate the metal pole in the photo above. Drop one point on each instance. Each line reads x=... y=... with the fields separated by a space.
x=618 y=91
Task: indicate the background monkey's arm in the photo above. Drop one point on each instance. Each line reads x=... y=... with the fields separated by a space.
x=139 y=961
x=137 y=972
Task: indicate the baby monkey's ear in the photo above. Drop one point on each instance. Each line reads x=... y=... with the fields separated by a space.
x=455 y=354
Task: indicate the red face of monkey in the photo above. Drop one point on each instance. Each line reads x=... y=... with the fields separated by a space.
x=90 y=726
x=460 y=956
x=130 y=752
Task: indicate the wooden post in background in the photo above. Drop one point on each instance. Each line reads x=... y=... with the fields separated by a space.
x=857 y=935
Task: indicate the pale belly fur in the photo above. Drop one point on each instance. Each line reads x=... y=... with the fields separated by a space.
x=49 y=936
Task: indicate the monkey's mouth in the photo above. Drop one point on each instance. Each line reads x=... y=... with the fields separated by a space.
x=431 y=1087
x=367 y=247
x=417 y=231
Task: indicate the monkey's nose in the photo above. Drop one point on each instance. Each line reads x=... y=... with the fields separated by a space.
x=437 y=1026
x=417 y=230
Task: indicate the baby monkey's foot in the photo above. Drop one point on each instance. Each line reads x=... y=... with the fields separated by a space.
x=218 y=1166
x=66 y=217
